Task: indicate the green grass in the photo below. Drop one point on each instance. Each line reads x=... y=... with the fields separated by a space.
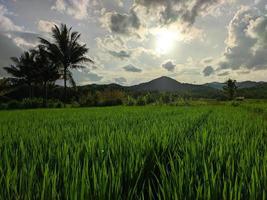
x=198 y=152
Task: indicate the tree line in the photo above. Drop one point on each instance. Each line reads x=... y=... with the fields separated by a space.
x=50 y=61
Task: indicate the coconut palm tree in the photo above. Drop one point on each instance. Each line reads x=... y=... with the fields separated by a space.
x=65 y=51
x=230 y=88
x=23 y=70
x=47 y=71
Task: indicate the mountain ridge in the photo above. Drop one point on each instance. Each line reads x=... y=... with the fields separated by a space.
x=167 y=84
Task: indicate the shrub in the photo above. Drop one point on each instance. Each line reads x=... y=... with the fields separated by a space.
x=75 y=104
x=14 y=104
x=110 y=98
x=130 y=101
x=54 y=103
x=235 y=103
x=141 y=101
x=88 y=99
x=3 y=106
x=32 y=103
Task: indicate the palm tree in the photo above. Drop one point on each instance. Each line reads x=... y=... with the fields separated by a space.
x=65 y=51
x=5 y=86
x=47 y=71
x=23 y=70
x=230 y=88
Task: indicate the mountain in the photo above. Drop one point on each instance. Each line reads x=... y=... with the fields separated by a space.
x=166 y=84
x=240 y=85
x=215 y=85
x=257 y=92
x=248 y=84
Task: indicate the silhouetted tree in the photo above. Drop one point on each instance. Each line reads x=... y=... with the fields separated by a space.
x=66 y=51
x=47 y=71
x=230 y=88
x=23 y=70
x=5 y=86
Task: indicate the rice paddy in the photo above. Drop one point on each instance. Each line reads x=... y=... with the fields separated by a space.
x=151 y=152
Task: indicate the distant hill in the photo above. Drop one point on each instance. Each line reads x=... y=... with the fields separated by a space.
x=215 y=85
x=257 y=92
x=166 y=84
x=240 y=85
x=248 y=89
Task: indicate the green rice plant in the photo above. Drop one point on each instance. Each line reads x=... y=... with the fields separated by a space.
x=150 y=152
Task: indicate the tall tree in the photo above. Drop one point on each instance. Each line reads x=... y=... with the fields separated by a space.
x=47 y=71
x=23 y=70
x=66 y=51
x=5 y=86
x=230 y=88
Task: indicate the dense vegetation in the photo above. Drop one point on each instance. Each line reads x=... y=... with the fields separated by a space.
x=48 y=62
x=162 y=152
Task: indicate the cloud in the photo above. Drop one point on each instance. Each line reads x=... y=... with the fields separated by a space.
x=120 y=54
x=170 y=11
x=208 y=71
x=24 y=40
x=224 y=74
x=94 y=77
x=207 y=60
x=120 y=80
x=247 y=41
x=169 y=66
x=6 y=24
x=122 y=24
x=20 y=37
x=131 y=68
x=46 y=26
x=75 y=8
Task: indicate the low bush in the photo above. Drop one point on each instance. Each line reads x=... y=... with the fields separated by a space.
x=32 y=103
x=14 y=104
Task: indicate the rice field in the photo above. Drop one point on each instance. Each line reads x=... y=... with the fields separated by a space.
x=151 y=152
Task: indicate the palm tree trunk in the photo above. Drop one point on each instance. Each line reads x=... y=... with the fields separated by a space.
x=30 y=91
x=65 y=85
x=45 y=94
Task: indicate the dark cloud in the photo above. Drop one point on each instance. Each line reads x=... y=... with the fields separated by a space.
x=123 y=24
x=8 y=49
x=208 y=71
x=120 y=54
x=173 y=10
x=131 y=68
x=169 y=65
x=224 y=74
x=120 y=80
x=247 y=41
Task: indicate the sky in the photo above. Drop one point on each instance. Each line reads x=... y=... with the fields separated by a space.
x=133 y=41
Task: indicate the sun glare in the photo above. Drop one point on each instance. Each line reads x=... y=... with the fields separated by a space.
x=165 y=40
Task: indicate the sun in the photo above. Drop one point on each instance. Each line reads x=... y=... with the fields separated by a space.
x=165 y=40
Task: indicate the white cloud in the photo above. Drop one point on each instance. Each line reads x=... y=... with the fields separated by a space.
x=76 y=8
x=247 y=41
x=45 y=26
x=6 y=24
